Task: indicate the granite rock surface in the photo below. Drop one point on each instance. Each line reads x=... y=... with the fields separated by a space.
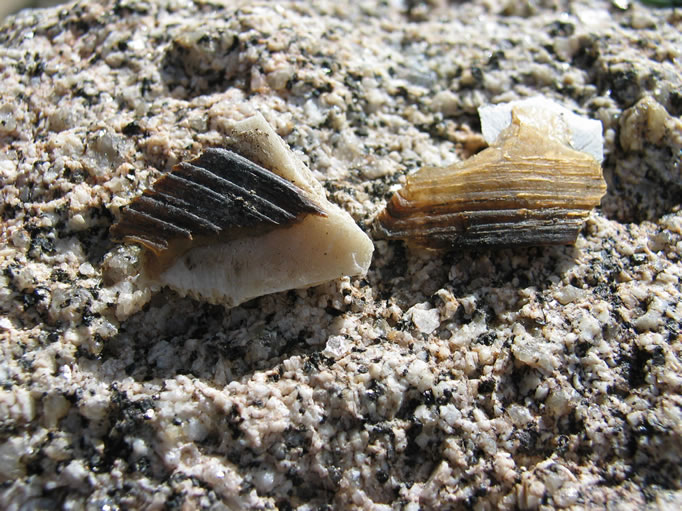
x=499 y=379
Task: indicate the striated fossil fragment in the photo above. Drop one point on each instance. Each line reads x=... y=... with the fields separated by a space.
x=229 y=227
x=534 y=185
x=219 y=195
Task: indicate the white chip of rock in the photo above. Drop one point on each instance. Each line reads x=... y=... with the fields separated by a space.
x=569 y=294
x=419 y=375
x=55 y=406
x=86 y=269
x=560 y=402
x=450 y=414
x=11 y=453
x=75 y=473
x=654 y=316
x=426 y=320
x=5 y=323
x=589 y=328
x=520 y=415
x=594 y=19
x=264 y=480
x=534 y=352
x=557 y=121
x=337 y=346
x=8 y=170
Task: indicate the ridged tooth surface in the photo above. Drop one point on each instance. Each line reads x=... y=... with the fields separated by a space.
x=225 y=228
x=219 y=192
x=527 y=189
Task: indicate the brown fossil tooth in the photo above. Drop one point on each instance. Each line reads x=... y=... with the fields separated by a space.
x=226 y=228
x=528 y=188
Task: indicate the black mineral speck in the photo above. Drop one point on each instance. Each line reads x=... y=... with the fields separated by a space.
x=675 y=99
x=407 y=408
x=382 y=476
x=39 y=295
x=375 y=390
x=561 y=29
x=413 y=449
x=495 y=59
x=636 y=366
x=175 y=501
x=638 y=259
x=444 y=398
x=284 y=505
x=581 y=348
x=41 y=242
x=59 y=275
x=487 y=339
x=624 y=86
x=486 y=386
x=528 y=440
x=131 y=129
x=588 y=52
x=477 y=73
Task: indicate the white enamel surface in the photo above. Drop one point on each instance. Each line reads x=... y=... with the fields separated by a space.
x=558 y=122
x=306 y=254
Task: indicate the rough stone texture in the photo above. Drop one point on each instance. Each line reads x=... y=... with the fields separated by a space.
x=11 y=6
x=501 y=379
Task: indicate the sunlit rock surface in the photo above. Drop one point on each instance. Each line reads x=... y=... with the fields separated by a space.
x=492 y=379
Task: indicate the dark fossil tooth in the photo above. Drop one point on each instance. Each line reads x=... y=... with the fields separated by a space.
x=227 y=227
x=219 y=194
x=528 y=188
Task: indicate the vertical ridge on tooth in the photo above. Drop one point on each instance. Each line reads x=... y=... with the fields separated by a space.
x=161 y=207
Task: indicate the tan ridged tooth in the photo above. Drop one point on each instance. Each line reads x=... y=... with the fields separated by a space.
x=527 y=188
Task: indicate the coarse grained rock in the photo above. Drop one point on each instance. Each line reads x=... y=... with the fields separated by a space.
x=498 y=379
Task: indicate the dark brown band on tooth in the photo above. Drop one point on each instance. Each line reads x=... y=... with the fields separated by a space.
x=217 y=194
x=526 y=189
